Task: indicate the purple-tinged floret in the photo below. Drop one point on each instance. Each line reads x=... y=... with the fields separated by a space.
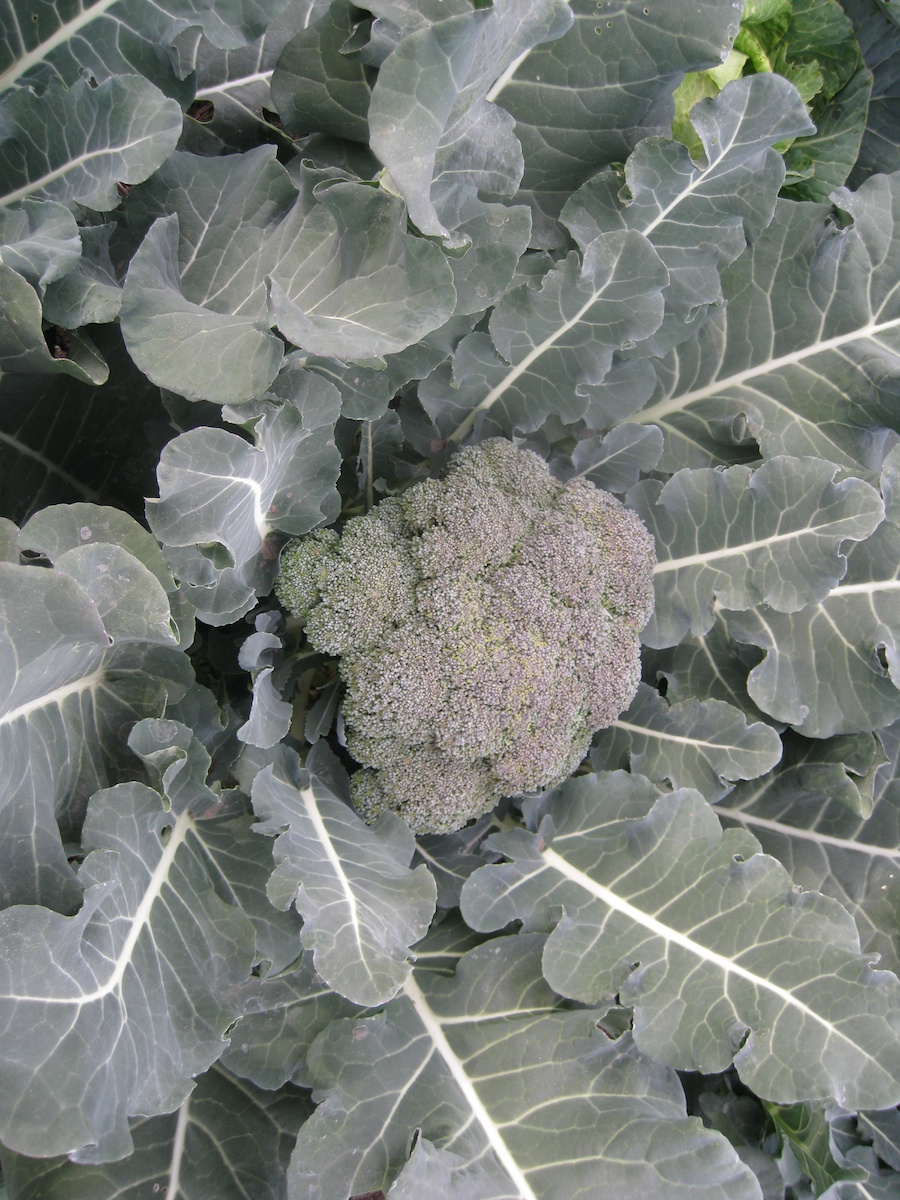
x=487 y=626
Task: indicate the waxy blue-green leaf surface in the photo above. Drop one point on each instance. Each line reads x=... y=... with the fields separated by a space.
x=362 y=905
x=227 y=1141
x=61 y=40
x=75 y=144
x=707 y=745
x=428 y=116
x=804 y=357
x=582 y=102
x=723 y=959
x=222 y=499
x=834 y=666
x=127 y=993
x=740 y=537
x=331 y=265
x=528 y=1101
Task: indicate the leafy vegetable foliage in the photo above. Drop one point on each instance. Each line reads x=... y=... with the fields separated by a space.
x=265 y=263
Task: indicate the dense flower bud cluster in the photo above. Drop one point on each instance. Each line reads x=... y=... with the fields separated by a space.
x=486 y=624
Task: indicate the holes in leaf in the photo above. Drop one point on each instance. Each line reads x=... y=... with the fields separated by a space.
x=882 y=658
x=202 y=111
x=59 y=341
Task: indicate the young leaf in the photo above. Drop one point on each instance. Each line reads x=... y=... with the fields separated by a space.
x=706 y=745
x=721 y=956
x=221 y=498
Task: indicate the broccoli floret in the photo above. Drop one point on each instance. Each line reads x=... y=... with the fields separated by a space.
x=487 y=625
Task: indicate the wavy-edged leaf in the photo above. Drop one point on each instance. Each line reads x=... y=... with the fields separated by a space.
x=228 y=1140
x=327 y=260
x=67 y=694
x=222 y=499
x=807 y=1132
x=113 y=37
x=722 y=957
x=614 y=461
x=741 y=537
x=834 y=666
x=362 y=905
x=707 y=745
x=584 y=101
x=526 y=1100
x=75 y=144
x=804 y=357
x=547 y=346
x=428 y=116
x=127 y=993
x=698 y=218
x=810 y=816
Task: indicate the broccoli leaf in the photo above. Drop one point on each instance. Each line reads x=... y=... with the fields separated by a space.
x=807 y=814
x=362 y=905
x=707 y=745
x=791 y=360
x=740 y=537
x=127 y=993
x=228 y=1139
x=834 y=666
x=75 y=144
x=459 y=1058
x=721 y=956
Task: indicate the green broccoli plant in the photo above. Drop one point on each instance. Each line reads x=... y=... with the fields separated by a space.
x=486 y=625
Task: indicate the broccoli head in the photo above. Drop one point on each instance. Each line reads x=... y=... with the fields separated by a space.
x=487 y=626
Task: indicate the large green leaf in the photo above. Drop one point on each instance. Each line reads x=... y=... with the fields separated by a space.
x=721 y=956
x=127 y=993
x=328 y=261
x=807 y=815
x=739 y=537
x=698 y=217
x=223 y=499
x=62 y=39
x=362 y=905
x=555 y=341
x=583 y=102
x=511 y=1095
x=804 y=355
x=40 y=240
x=428 y=116
x=67 y=694
x=75 y=144
x=227 y=1141
x=235 y=83
x=834 y=666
